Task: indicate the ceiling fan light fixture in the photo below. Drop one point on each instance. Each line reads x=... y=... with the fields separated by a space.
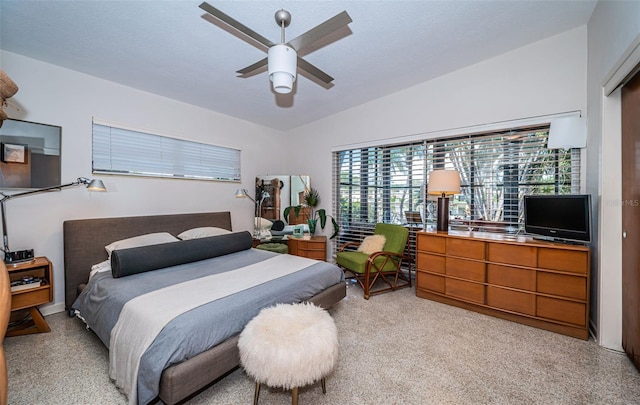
x=282 y=61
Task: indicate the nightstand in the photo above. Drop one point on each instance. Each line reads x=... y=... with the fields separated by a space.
x=312 y=247
x=29 y=298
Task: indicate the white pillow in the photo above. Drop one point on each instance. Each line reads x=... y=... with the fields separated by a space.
x=202 y=232
x=142 y=240
x=372 y=244
x=100 y=267
x=264 y=223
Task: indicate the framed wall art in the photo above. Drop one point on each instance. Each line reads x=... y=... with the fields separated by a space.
x=14 y=152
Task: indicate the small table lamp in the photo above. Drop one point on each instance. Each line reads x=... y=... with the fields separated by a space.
x=443 y=183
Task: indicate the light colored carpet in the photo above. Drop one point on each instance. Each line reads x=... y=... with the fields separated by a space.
x=394 y=349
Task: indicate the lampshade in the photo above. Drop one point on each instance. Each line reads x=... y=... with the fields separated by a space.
x=282 y=67
x=569 y=132
x=96 y=185
x=241 y=193
x=445 y=182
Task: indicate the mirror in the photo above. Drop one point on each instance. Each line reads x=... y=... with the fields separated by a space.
x=284 y=190
x=29 y=155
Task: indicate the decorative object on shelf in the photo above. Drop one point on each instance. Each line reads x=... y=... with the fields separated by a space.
x=443 y=183
x=26 y=255
x=7 y=89
x=311 y=199
x=242 y=193
x=298 y=231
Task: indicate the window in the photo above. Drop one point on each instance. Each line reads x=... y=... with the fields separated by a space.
x=129 y=152
x=387 y=183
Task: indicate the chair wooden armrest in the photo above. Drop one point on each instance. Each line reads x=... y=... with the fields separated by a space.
x=374 y=256
x=341 y=249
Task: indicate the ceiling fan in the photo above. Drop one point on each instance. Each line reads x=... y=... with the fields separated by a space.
x=282 y=58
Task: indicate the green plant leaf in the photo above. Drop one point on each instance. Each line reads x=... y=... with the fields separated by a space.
x=323 y=217
x=311 y=197
x=336 y=228
x=286 y=214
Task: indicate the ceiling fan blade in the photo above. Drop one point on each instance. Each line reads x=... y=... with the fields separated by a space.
x=320 y=31
x=254 y=67
x=314 y=71
x=235 y=24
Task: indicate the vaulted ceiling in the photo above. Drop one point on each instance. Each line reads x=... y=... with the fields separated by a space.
x=174 y=49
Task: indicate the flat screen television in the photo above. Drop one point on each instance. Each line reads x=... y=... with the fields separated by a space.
x=558 y=217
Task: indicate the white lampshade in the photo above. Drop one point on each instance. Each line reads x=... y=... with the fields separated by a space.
x=282 y=67
x=445 y=182
x=569 y=132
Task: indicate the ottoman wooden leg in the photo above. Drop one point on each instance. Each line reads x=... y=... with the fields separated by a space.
x=256 y=394
x=294 y=396
x=324 y=385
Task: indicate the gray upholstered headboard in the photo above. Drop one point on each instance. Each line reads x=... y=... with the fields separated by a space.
x=85 y=239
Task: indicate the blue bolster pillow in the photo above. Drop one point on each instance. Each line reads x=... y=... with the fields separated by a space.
x=126 y=262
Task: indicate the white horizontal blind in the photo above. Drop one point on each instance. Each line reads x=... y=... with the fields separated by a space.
x=377 y=184
x=497 y=169
x=380 y=184
x=124 y=151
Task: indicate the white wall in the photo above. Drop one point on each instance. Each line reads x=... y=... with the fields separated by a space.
x=546 y=77
x=57 y=96
x=613 y=27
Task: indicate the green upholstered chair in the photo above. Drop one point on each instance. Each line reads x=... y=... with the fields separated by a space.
x=383 y=266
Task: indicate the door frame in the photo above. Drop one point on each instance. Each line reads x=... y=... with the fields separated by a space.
x=609 y=301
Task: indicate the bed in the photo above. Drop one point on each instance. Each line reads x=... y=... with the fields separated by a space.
x=84 y=246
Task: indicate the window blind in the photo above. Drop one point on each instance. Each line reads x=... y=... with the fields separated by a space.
x=129 y=152
x=388 y=183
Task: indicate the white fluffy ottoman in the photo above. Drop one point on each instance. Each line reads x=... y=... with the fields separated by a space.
x=289 y=346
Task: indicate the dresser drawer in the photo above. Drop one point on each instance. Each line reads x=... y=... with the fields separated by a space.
x=430 y=282
x=466 y=269
x=465 y=290
x=566 y=260
x=514 y=277
x=429 y=262
x=563 y=285
x=470 y=249
x=430 y=243
x=560 y=310
x=512 y=301
x=512 y=254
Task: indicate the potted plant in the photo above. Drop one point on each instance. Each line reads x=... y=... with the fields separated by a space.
x=311 y=199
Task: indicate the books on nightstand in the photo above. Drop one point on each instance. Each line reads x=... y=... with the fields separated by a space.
x=26 y=282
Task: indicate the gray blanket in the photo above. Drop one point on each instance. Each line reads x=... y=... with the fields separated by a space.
x=203 y=327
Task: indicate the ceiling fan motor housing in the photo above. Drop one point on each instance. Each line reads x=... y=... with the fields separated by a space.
x=282 y=67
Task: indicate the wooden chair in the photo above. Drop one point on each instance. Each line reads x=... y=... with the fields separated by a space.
x=383 y=266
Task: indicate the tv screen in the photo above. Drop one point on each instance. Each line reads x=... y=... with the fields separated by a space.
x=562 y=217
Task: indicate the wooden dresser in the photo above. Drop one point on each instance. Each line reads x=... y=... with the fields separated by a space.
x=537 y=283
x=313 y=247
